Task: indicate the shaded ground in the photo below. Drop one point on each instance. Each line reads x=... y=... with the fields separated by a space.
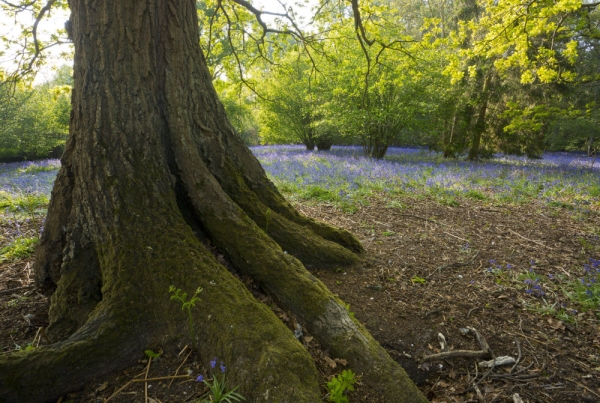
x=427 y=271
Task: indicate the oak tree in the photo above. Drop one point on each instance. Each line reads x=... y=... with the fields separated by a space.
x=153 y=177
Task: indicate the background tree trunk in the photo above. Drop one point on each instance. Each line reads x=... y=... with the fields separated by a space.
x=152 y=172
x=479 y=127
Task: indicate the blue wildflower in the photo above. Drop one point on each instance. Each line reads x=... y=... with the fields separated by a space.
x=213 y=363
x=200 y=378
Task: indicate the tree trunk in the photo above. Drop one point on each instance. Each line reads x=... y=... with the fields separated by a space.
x=479 y=126
x=448 y=141
x=151 y=172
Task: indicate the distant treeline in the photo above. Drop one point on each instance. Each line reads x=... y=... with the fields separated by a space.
x=465 y=78
x=34 y=121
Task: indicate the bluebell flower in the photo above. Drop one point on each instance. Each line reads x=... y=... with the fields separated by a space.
x=200 y=378
x=222 y=367
x=213 y=363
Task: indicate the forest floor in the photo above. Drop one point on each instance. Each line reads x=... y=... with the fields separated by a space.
x=512 y=272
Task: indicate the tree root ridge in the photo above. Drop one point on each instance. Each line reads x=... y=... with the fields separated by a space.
x=49 y=249
x=49 y=372
x=293 y=233
x=249 y=176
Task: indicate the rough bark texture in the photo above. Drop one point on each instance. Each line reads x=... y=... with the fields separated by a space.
x=151 y=167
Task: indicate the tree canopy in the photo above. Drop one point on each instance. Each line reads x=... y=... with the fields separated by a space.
x=468 y=78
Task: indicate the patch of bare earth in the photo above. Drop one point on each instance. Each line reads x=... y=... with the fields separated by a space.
x=425 y=273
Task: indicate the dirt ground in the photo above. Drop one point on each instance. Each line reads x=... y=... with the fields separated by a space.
x=427 y=271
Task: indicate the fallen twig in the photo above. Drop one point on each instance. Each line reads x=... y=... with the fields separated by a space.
x=456 y=353
x=474 y=387
x=532 y=339
x=480 y=339
x=162 y=378
x=179 y=367
x=10 y=290
x=513 y=374
x=471 y=311
x=531 y=240
x=457 y=237
x=485 y=351
x=146 y=377
x=519 y=357
x=583 y=386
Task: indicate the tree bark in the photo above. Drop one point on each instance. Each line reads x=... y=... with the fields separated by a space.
x=151 y=170
x=479 y=126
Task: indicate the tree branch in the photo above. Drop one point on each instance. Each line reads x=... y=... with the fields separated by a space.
x=39 y=17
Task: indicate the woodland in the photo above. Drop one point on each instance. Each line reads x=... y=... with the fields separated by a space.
x=158 y=196
x=467 y=78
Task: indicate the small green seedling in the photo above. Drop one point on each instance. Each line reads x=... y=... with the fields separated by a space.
x=181 y=296
x=418 y=280
x=340 y=385
x=151 y=354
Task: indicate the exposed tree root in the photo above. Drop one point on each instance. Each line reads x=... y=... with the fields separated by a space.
x=257 y=255
x=262 y=354
x=45 y=373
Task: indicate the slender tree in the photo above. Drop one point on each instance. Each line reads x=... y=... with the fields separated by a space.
x=153 y=173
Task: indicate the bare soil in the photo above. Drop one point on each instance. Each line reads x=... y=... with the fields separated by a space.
x=426 y=272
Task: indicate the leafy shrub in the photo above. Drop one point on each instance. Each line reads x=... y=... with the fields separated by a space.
x=340 y=385
x=20 y=248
